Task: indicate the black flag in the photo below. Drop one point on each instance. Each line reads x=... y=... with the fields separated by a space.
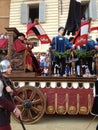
x=74 y=17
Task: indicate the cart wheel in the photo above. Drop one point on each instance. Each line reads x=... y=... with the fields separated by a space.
x=31 y=102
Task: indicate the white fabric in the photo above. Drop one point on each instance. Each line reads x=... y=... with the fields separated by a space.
x=78 y=1
x=1 y=88
x=94 y=93
x=78 y=70
x=84 y=29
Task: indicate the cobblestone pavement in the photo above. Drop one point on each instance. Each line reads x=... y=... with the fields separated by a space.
x=59 y=122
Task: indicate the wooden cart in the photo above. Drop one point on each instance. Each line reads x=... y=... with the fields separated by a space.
x=37 y=95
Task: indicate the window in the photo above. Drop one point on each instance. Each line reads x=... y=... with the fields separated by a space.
x=89 y=9
x=32 y=11
x=84 y=8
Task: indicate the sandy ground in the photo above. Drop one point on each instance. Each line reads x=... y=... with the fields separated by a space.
x=59 y=122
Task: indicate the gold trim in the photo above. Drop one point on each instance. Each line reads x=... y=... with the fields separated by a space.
x=56 y=102
x=89 y=103
x=67 y=102
x=77 y=103
x=61 y=110
x=50 y=110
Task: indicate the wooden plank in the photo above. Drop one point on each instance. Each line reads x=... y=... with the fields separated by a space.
x=31 y=76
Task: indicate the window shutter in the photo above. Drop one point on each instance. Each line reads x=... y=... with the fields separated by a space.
x=24 y=13
x=93 y=9
x=87 y=13
x=42 y=12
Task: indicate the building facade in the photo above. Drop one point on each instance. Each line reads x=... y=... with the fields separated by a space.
x=51 y=15
x=4 y=14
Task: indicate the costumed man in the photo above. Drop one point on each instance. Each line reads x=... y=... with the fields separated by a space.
x=96 y=56
x=95 y=102
x=72 y=57
x=91 y=47
x=60 y=45
x=31 y=63
x=85 y=54
x=7 y=92
x=81 y=63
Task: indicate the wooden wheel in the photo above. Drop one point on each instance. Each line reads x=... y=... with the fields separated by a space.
x=31 y=102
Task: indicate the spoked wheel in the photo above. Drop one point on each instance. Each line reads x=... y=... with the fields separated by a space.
x=31 y=102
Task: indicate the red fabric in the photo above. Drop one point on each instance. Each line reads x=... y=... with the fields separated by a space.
x=61 y=97
x=72 y=97
x=6 y=104
x=80 y=30
x=19 y=46
x=29 y=63
x=93 y=28
x=3 y=43
x=6 y=127
x=81 y=40
x=50 y=96
x=29 y=28
x=44 y=38
x=30 y=49
x=84 y=22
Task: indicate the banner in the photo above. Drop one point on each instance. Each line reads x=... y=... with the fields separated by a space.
x=74 y=17
x=39 y=32
x=81 y=40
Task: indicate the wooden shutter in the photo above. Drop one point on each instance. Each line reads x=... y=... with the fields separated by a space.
x=93 y=9
x=24 y=13
x=42 y=12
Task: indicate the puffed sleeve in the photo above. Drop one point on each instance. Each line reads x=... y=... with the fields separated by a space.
x=19 y=46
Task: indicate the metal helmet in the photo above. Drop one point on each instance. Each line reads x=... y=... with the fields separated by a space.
x=3 y=65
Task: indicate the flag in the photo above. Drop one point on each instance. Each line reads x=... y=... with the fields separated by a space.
x=81 y=36
x=84 y=29
x=74 y=17
x=81 y=40
x=40 y=33
x=93 y=29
